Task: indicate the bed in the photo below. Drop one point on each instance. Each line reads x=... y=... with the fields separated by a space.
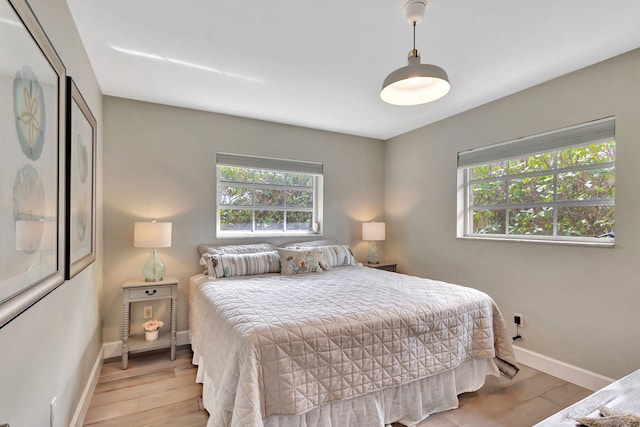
x=302 y=344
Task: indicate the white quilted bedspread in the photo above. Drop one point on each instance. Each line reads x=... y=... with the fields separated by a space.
x=285 y=344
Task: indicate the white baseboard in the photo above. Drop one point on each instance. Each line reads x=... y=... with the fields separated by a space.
x=87 y=393
x=573 y=374
x=114 y=348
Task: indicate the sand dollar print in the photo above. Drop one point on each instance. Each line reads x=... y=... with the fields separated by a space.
x=28 y=106
x=28 y=209
x=83 y=159
x=82 y=216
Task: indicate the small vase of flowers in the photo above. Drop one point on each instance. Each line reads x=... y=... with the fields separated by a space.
x=151 y=329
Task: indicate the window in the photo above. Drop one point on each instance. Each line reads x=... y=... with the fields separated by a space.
x=267 y=196
x=555 y=186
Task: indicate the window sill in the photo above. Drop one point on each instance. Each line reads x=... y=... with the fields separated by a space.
x=599 y=243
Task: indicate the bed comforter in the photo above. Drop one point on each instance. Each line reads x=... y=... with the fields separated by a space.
x=286 y=344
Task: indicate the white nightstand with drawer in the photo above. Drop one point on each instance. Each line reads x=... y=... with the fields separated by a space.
x=138 y=290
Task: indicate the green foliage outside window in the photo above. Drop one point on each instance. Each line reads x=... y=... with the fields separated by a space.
x=264 y=200
x=571 y=190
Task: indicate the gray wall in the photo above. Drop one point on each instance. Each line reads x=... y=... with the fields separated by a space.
x=160 y=163
x=50 y=349
x=579 y=304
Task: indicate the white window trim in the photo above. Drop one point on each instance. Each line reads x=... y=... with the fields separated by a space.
x=597 y=131
x=282 y=165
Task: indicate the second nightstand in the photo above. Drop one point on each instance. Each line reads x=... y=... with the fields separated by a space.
x=387 y=266
x=139 y=290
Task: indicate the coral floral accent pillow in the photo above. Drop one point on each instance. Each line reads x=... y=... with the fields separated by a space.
x=299 y=261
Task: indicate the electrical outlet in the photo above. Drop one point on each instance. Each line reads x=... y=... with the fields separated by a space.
x=518 y=319
x=148 y=312
x=52 y=411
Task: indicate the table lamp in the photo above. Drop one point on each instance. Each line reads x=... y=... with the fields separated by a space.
x=373 y=231
x=152 y=235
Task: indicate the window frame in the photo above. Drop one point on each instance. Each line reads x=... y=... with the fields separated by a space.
x=272 y=164
x=595 y=132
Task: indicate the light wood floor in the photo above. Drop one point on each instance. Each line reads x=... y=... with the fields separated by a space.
x=155 y=391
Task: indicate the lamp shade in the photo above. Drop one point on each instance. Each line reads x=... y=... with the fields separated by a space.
x=152 y=234
x=373 y=231
x=415 y=84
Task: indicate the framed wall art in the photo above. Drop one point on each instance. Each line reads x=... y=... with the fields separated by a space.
x=81 y=181
x=32 y=191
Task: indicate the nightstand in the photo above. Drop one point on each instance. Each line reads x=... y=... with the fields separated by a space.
x=139 y=290
x=387 y=266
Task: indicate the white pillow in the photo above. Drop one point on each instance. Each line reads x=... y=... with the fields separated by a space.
x=236 y=249
x=309 y=244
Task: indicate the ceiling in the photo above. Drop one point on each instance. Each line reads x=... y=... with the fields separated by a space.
x=320 y=64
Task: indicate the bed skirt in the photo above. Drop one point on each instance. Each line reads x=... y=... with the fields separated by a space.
x=408 y=404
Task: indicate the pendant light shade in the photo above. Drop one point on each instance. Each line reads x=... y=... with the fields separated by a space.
x=416 y=83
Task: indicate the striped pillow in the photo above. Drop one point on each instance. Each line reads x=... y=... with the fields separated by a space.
x=228 y=265
x=338 y=255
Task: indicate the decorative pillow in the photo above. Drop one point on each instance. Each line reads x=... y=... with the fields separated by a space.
x=324 y=262
x=208 y=251
x=207 y=261
x=299 y=261
x=338 y=255
x=310 y=244
x=228 y=265
x=236 y=249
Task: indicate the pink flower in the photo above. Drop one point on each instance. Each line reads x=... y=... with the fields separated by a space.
x=153 y=325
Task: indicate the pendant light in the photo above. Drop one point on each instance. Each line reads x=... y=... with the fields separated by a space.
x=416 y=83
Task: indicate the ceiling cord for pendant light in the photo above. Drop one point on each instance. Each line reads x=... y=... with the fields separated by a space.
x=415 y=83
